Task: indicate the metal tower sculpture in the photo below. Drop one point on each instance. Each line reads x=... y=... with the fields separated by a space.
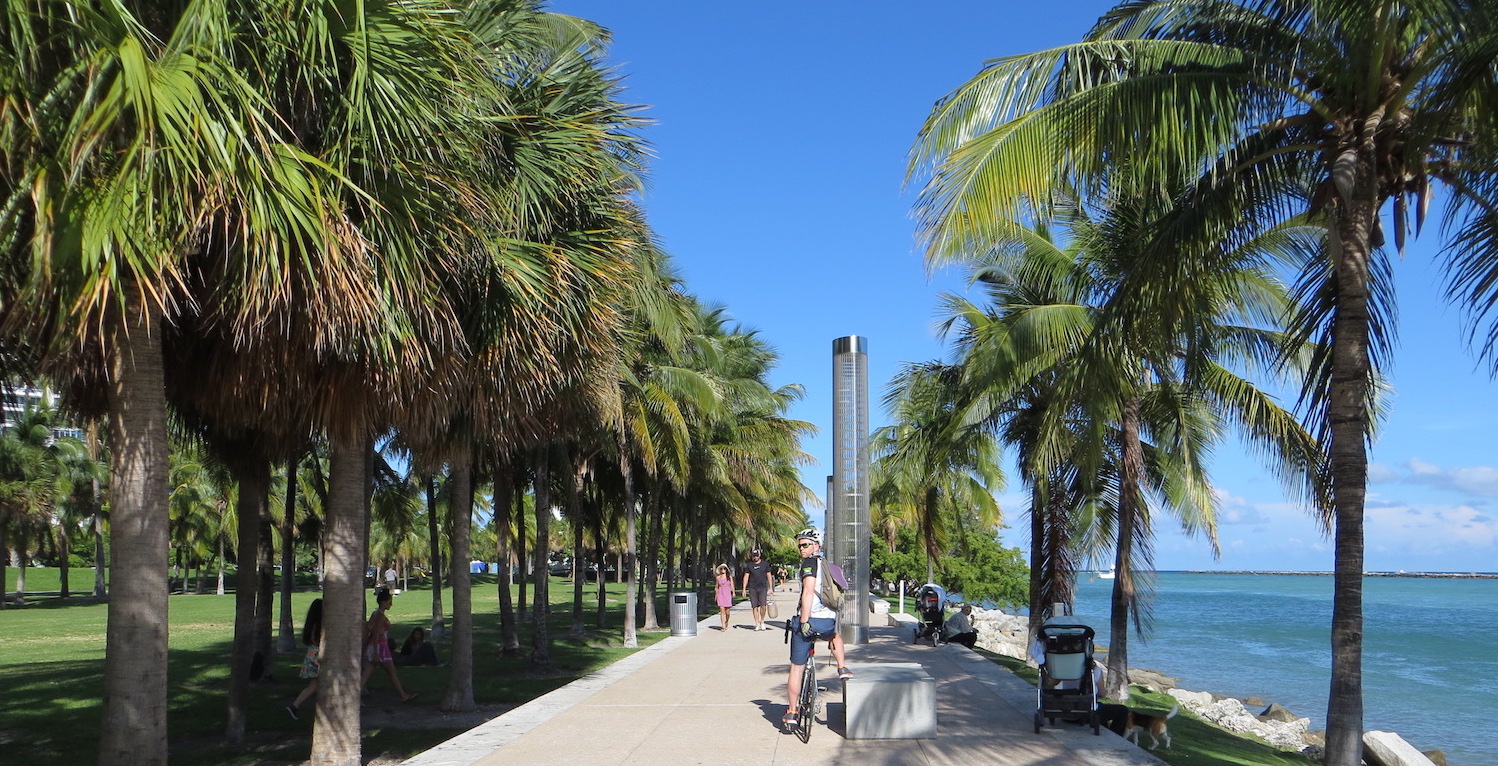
x=850 y=474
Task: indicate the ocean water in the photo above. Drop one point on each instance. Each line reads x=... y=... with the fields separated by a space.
x=1430 y=671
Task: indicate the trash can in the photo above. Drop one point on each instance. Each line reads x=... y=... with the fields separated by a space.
x=683 y=613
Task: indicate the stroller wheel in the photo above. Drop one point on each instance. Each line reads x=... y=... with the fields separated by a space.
x=1037 y=722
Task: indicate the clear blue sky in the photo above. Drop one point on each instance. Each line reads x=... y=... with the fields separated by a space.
x=781 y=132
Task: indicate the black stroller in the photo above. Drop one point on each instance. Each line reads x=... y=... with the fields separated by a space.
x=930 y=604
x=1068 y=687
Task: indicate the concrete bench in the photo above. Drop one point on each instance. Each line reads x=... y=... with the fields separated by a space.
x=895 y=700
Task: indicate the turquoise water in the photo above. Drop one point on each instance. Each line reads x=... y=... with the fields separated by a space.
x=1429 y=669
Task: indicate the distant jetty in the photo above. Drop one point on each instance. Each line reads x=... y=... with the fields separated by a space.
x=1400 y=573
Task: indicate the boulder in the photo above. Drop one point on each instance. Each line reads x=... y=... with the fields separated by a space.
x=1152 y=679
x=1438 y=757
x=1385 y=748
x=1230 y=714
x=1000 y=633
x=1277 y=712
x=1193 y=701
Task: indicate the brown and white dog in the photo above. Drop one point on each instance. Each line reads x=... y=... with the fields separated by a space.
x=1153 y=725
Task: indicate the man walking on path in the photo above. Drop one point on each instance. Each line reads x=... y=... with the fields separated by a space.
x=756 y=584
x=813 y=619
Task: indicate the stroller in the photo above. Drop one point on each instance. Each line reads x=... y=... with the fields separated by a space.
x=930 y=603
x=1068 y=686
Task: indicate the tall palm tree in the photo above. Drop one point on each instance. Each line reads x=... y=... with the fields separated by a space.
x=1129 y=408
x=940 y=463
x=113 y=174
x=1340 y=108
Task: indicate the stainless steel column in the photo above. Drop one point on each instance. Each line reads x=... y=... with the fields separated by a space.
x=850 y=472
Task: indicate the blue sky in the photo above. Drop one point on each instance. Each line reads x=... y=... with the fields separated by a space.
x=781 y=131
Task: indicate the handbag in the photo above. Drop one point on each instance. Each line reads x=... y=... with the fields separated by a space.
x=772 y=610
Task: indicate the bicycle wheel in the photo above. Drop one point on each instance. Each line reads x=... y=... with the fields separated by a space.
x=807 y=706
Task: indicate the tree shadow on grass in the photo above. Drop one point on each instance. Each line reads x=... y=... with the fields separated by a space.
x=51 y=710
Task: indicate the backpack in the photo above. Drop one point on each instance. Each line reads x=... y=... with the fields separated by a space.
x=833 y=583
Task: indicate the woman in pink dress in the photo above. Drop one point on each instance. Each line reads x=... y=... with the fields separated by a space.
x=725 y=594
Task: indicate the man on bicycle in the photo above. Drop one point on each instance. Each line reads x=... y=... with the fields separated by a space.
x=813 y=619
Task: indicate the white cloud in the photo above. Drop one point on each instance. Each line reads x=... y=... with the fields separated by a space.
x=1479 y=481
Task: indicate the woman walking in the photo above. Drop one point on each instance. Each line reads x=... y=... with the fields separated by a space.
x=725 y=594
x=377 y=645
x=312 y=637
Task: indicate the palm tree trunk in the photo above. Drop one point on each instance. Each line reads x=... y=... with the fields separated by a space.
x=601 y=555
x=22 y=560
x=651 y=564
x=288 y=634
x=1037 y=556
x=520 y=558
x=579 y=576
x=505 y=498
x=631 y=558
x=335 y=736
x=265 y=582
x=1125 y=595
x=253 y=477
x=579 y=570
x=459 y=697
x=541 y=636
x=133 y=723
x=97 y=523
x=439 y=619
x=1349 y=419
x=4 y=561
x=63 y=554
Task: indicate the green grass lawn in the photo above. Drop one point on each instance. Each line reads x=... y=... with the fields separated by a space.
x=1194 y=742
x=52 y=665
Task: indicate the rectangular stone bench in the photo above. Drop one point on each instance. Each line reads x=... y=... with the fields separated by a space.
x=895 y=700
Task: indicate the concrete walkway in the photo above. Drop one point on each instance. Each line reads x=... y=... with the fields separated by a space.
x=717 y=697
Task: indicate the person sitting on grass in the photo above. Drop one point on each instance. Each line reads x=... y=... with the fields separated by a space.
x=958 y=629
x=417 y=650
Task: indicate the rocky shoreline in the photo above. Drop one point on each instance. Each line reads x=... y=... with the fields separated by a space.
x=1008 y=635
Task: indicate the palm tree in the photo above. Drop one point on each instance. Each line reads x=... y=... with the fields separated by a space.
x=182 y=138
x=1129 y=407
x=935 y=461
x=1338 y=108
x=33 y=482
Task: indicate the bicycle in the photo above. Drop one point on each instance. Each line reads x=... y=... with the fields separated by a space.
x=809 y=699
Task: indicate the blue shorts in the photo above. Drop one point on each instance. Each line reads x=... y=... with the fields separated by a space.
x=822 y=627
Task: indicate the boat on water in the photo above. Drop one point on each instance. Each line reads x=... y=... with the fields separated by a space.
x=1108 y=575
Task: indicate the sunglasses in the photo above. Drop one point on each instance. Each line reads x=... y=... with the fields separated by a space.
x=804 y=545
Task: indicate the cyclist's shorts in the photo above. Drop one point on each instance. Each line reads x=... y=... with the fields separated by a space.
x=822 y=627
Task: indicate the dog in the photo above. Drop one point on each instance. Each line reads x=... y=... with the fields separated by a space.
x=1155 y=725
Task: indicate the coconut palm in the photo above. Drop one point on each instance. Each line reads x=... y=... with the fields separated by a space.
x=1128 y=409
x=934 y=460
x=1338 y=108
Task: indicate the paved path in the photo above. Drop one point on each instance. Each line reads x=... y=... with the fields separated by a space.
x=717 y=697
